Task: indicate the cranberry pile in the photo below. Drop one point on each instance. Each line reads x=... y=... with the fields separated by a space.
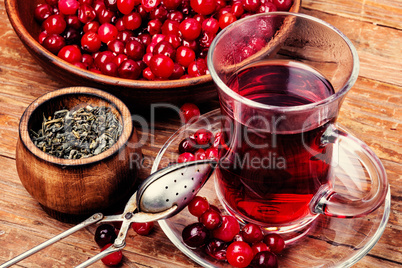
x=222 y=238
x=105 y=235
x=141 y=39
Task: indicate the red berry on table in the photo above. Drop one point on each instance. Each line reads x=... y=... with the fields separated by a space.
x=190 y=112
x=275 y=242
x=185 y=157
x=198 y=206
x=229 y=228
x=265 y=259
x=112 y=259
x=142 y=228
x=239 y=254
x=105 y=234
x=252 y=233
x=204 y=137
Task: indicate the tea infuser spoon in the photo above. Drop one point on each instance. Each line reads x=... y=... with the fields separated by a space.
x=162 y=195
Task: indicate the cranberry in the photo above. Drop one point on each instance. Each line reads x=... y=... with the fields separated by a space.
x=198 y=68
x=55 y=24
x=150 y=4
x=239 y=254
x=275 y=242
x=154 y=27
x=216 y=249
x=203 y=137
x=54 y=43
x=92 y=26
x=265 y=259
x=103 y=58
x=165 y=48
x=135 y=50
x=42 y=12
x=170 y=27
x=132 y=21
x=206 y=40
x=200 y=154
x=226 y=19
x=267 y=7
x=111 y=4
x=175 y=15
x=203 y=7
x=73 y=22
x=148 y=74
x=210 y=25
x=173 y=39
x=119 y=59
x=259 y=247
x=106 y=16
x=190 y=111
x=228 y=229
x=186 y=157
x=282 y=5
x=187 y=145
x=190 y=29
x=211 y=153
x=129 y=69
x=185 y=56
x=218 y=140
x=159 y=13
x=161 y=65
x=105 y=234
x=171 y=4
x=211 y=219
x=68 y=7
x=198 y=206
x=178 y=71
x=126 y=6
x=91 y=42
x=237 y=9
x=86 y=13
x=252 y=233
x=116 y=46
x=112 y=259
x=110 y=69
x=142 y=228
x=195 y=235
x=70 y=53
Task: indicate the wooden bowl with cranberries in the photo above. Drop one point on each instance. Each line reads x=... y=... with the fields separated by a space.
x=142 y=51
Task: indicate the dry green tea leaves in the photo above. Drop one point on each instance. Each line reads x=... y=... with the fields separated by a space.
x=78 y=134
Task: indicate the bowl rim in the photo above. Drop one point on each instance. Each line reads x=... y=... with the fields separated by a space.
x=117 y=104
x=28 y=40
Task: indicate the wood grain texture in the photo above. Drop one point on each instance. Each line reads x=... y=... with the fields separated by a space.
x=372 y=111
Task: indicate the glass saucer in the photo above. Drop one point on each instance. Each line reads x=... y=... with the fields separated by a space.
x=328 y=242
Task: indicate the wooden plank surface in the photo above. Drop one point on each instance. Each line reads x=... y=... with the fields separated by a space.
x=372 y=111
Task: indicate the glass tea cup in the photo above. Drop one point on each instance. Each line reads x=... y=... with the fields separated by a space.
x=281 y=80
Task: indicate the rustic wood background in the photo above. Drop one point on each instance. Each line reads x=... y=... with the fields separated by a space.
x=372 y=111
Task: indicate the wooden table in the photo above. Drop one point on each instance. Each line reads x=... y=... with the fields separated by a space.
x=372 y=111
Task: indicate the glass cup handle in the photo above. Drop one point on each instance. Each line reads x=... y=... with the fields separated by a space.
x=331 y=203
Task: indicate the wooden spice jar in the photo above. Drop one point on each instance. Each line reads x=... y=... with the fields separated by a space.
x=71 y=189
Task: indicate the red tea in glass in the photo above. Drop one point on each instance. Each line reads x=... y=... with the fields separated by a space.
x=267 y=174
x=281 y=80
